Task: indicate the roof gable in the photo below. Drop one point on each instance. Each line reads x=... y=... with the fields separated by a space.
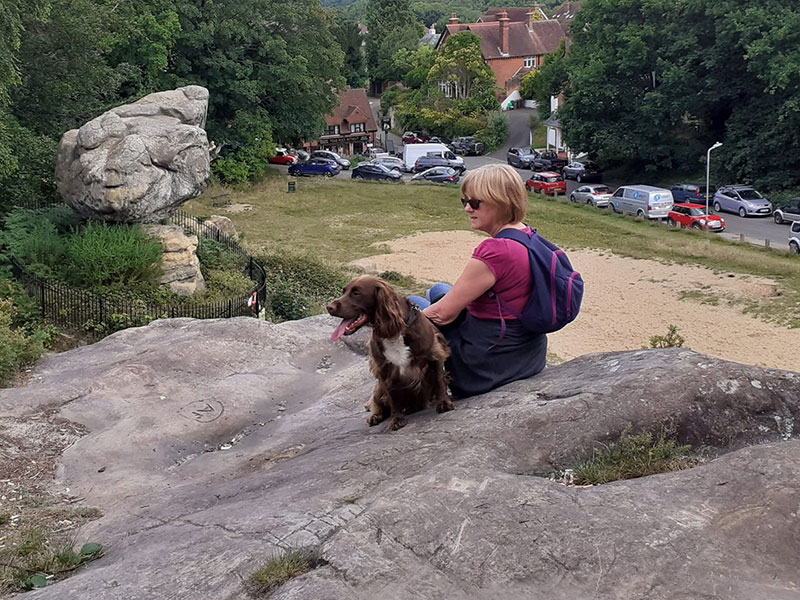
x=353 y=108
x=543 y=37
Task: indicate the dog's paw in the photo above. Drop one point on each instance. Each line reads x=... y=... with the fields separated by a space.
x=445 y=405
x=397 y=423
x=374 y=420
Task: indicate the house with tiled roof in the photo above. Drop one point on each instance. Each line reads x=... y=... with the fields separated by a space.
x=351 y=125
x=565 y=14
x=517 y=14
x=511 y=48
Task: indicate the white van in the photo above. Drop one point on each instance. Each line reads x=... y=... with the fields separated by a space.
x=411 y=152
x=642 y=201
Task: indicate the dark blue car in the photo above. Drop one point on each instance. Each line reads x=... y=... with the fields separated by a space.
x=315 y=166
x=375 y=172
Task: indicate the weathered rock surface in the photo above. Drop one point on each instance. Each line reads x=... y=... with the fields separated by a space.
x=181 y=267
x=138 y=162
x=224 y=225
x=214 y=444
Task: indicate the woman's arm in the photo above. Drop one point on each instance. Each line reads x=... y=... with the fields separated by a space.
x=474 y=281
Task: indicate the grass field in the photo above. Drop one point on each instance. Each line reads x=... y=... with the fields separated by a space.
x=339 y=221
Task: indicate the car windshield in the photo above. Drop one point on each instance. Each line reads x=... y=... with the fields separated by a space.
x=590 y=165
x=553 y=179
x=697 y=212
x=602 y=189
x=524 y=151
x=750 y=195
x=382 y=168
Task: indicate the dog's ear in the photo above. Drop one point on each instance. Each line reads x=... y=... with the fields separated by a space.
x=389 y=318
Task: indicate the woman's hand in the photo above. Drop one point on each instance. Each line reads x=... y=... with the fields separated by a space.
x=476 y=279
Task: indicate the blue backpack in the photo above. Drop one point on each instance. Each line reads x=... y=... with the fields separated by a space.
x=557 y=288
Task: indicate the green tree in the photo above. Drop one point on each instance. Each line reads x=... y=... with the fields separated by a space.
x=414 y=65
x=653 y=84
x=392 y=26
x=354 y=69
x=273 y=55
x=459 y=67
x=549 y=80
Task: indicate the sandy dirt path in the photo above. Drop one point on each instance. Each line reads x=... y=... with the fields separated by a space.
x=627 y=301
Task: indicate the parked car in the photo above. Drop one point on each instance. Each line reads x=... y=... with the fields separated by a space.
x=692 y=192
x=468 y=146
x=597 y=195
x=342 y=163
x=794 y=238
x=301 y=155
x=315 y=166
x=743 y=200
x=521 y=158
x=440 y=139
x=392 y=163
x=556 y=162
x=438 y=175
x=787 y=212
x=414 y=137
x=369 y=170
x=644 y=201
x=584 y=170
x=283 y=157
x=686 y=214
x=546 y=182
x=439 y=159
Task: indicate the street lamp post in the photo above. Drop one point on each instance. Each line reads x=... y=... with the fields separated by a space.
x=708 y=171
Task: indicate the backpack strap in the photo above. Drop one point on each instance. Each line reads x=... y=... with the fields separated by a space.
x=523 y=238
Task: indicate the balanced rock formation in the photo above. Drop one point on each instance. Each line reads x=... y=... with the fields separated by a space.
x=180 y=265
x=213 y=445
x=138 y=162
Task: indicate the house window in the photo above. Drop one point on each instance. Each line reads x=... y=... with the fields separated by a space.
x=530 y=62
x=332 y=130
x=356 y=128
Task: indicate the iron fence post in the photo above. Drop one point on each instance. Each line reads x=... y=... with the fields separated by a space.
x=41 y=296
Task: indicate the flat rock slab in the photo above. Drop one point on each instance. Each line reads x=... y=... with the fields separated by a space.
x=212 y=445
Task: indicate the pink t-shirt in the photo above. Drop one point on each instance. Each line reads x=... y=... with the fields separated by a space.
x=508 y=261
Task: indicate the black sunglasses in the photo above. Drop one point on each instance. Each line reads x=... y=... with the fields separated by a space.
x=473 y=203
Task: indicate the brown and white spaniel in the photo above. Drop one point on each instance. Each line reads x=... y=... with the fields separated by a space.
x=407 y=351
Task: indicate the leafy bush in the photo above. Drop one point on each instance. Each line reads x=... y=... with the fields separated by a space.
x=299 y=286
x=33 y=238
x=103 y=256
x=496 y=132
x=214 y=255
x=631 y=457
x=19 y=346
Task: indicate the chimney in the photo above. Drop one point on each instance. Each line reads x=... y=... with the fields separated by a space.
x=453 y=20
x=503 y=20
x=432 y=29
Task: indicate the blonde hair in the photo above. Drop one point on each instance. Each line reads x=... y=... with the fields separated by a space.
x=501 y=186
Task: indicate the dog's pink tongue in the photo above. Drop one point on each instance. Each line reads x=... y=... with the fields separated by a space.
x=341 y=329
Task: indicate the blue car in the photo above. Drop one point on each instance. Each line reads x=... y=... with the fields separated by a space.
x=315 y=166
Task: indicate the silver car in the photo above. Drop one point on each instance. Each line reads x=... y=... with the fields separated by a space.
x=742 y=200
x=596 y=194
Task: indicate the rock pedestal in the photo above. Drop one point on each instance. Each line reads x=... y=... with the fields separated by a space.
x=180 y=263
x=138 y=162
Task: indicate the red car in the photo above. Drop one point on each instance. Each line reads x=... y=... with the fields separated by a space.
x=414 y=137
x=547 y=182
x=283 y=157
x=694 y=216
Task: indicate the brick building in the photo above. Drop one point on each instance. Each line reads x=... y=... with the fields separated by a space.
x=350 y=127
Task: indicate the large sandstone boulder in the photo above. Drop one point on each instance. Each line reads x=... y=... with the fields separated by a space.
x=137 y=163
x=212 y=445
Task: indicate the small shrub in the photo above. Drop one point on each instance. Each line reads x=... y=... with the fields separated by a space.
x=18 y=346
x=299 y=286
x=103 y=256
x=672 y=340
x=631 y=457
x=224 y=284
x=34 y=240
x=279 y=569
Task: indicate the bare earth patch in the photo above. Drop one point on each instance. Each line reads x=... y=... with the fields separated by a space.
x=627 y=301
